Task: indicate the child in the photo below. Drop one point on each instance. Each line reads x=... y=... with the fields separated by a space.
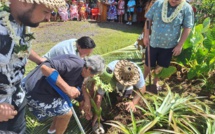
x=63 y=13
x=88 y=10
x=82 y=11
x=74 y=10
x=121 y=11
x=112 y=15
x=130 y=11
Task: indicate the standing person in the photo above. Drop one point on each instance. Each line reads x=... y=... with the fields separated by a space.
x=82 y=47
x=130 y=11
x=44 y=101
x=63 y=13
x=74 y=10
x=82 y=10
x=168 y=18
x=14 y=51
x=121 y=10
x=99 y=5
x=112 y=11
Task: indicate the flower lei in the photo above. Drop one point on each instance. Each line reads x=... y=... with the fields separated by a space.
x=174 y=14
x=19 y=49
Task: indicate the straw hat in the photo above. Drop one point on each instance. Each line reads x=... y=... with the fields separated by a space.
x=48 y=3
x=126 y=73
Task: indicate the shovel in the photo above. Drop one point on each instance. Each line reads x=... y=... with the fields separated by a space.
x=150 y=88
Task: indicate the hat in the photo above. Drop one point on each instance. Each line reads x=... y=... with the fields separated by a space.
x=48 y=3
x=126 y=73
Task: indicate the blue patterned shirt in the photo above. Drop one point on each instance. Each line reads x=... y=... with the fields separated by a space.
x=167 y=35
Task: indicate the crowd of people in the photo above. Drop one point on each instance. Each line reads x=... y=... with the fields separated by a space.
x=69 y=66
x=119 y=10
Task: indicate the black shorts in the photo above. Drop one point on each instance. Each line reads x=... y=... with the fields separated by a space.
x=159 y=56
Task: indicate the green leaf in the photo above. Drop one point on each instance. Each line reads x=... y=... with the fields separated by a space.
x=185 y=56
x=134 y=128
x=191 y=126
x=119 y=126
x=209 y=41
x=201 y=55
x=192 y=73
x=211 y=58
x=149 y=126
x=198 y=28
x=188 y=43
x=206 y=25
x=166 y=72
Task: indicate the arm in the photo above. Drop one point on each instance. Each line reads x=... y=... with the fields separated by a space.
x=36 y=58
x=136 y=99
x=72 y=92
x=177 y=50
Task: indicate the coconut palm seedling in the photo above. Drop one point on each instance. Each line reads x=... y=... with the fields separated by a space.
x=170 y=114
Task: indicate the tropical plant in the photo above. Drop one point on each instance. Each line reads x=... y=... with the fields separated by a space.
x=198 y=55
x=170 y=114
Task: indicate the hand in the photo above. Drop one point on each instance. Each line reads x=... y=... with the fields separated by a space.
x=146 y=40
x=7 y=112
x=130 y=105
x=73 y=92
x=42 y=59
x=177 y=50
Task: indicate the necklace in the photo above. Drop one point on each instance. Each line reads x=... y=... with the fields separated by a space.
x=19 y=49
x=174 y=14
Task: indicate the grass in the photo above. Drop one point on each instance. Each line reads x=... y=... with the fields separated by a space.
x=107 y=36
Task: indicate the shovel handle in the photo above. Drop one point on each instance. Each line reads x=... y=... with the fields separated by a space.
x=148 y=48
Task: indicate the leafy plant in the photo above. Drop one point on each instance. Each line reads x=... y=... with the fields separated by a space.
x=198 y=55
x=170 y=114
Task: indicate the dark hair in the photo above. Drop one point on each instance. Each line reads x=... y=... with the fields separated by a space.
x=86 y=42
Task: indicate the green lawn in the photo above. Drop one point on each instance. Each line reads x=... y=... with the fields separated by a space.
x=107 y=36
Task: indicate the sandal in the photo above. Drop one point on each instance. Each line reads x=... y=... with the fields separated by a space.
x=98 y=128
